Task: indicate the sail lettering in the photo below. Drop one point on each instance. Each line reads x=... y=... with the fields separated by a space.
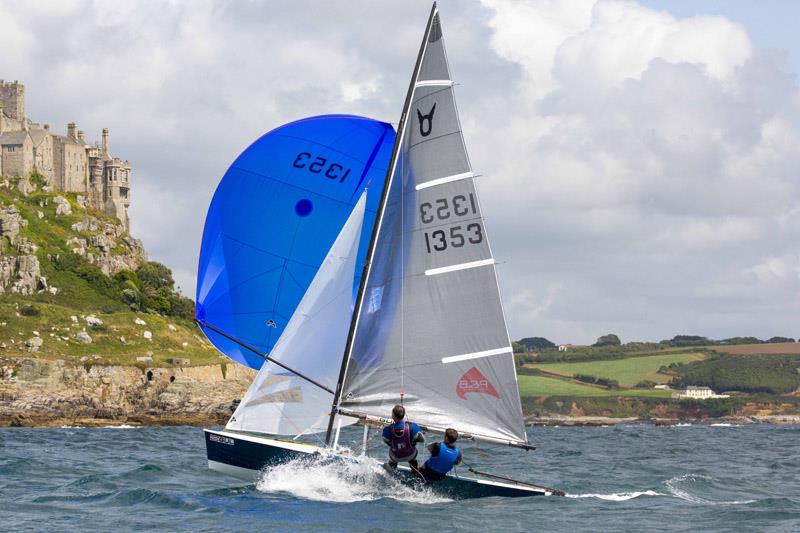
x=474 y=381
x=440 y=209
x=426 y=121
x=333 y=171
x=455 y=237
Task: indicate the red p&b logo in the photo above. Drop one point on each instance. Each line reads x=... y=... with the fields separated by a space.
x=474 y=381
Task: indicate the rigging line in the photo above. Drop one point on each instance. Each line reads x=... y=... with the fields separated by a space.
x=370 y=161
x=402 y=278
x=203 y=323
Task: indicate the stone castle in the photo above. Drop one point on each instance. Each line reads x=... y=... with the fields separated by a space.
x=67 y=162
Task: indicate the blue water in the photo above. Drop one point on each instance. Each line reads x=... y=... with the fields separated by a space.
x=624 y=478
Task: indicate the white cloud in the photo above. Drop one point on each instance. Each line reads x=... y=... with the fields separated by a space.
x=640 y=170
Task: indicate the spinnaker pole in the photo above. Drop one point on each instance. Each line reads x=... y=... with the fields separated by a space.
x=398 y=142
x=246 y=346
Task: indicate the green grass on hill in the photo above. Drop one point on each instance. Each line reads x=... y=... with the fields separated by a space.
x=83 y=290
x=545 y=386
x=628 y=372
x=54 y=325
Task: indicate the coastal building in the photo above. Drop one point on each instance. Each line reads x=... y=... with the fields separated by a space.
x=67 y=162
x=697 y=393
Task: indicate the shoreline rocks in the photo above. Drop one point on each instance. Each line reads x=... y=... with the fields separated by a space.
x=42 y=393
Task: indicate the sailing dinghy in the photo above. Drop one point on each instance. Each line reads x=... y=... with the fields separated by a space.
x=427 y=329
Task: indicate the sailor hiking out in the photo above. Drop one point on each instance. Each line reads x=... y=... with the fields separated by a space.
x=402 y=438
x=444 y=456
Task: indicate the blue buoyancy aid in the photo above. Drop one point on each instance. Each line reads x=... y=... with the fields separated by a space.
x=444 y=461
x=400 y=442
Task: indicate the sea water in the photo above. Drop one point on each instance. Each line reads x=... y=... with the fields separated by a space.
x=623 y=478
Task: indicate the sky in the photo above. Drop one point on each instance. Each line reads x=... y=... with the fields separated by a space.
x=639 y=160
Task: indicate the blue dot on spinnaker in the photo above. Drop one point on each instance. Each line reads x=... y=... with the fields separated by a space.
x=303 y=208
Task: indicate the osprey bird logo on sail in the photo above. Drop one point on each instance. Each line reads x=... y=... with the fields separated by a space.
x=474 y=381
x=423 y=119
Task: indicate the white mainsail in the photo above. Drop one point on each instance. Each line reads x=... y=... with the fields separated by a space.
x=281 y=403
x=430 y=330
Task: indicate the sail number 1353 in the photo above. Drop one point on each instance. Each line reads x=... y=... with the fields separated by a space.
x=453 y=237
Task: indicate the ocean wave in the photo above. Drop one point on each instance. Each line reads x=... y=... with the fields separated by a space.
x=328 y=479
x=687 y=486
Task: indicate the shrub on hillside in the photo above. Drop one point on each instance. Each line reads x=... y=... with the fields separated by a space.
x=774 y=340
x=608 y=340
x=773 y=374
x=603 y=382
x=534 y=344
x=29 y=310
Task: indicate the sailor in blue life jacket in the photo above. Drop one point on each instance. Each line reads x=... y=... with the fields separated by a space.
x=444 y=456
x=402 y=438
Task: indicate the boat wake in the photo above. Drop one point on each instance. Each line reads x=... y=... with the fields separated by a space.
x=330 y=479
x=617 y=496
x=693 y=488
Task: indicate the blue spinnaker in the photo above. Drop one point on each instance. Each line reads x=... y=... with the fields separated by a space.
x=274 y=215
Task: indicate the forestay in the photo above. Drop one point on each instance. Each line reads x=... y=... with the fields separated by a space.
x=430 y=330
x=279 y=402
x=273 y=218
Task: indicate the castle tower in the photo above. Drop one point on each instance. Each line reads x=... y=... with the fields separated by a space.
x=71 y=127
x=105 y=142
x=12 y=96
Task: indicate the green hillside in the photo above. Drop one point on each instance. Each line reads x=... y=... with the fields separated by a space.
x=627 y=372
x=546 y=386
x=76 y=280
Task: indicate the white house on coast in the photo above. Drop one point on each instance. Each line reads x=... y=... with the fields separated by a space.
x=697 y=393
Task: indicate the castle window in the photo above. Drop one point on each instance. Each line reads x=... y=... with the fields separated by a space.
x=10 y=148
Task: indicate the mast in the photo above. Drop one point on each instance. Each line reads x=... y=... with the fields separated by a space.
x=398 y=142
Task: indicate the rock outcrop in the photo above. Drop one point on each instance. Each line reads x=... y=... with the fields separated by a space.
x=106 y=246
x=21 y=274
x=39 y=392
x=11 y=222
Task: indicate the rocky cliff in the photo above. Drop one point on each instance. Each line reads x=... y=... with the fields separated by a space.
x=36 y=392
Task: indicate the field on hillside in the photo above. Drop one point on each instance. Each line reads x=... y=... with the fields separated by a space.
x=791 y=348
x=544 y=386
x=628 y=372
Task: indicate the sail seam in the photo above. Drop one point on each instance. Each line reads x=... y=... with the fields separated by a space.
x=460 y=266
x=476 y=355
x=446 y=179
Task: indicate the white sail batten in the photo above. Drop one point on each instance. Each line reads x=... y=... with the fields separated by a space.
x=412 y=318
x=462 y=266
x=434 y=83
x=477 y=355
x=281 y=403
x=446 y=179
